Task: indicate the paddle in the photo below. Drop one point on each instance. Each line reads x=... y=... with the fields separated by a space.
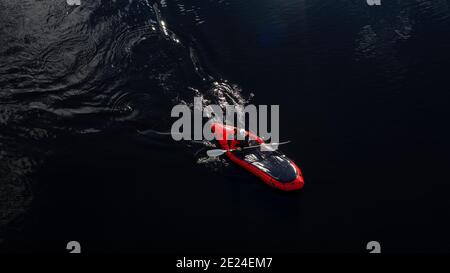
x=219 y=152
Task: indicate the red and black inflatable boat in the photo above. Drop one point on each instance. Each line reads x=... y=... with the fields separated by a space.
x=272 y=167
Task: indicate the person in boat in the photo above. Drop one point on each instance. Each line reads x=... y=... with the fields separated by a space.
x=240 y=140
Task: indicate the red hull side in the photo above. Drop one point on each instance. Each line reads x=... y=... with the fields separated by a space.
x=221 y=131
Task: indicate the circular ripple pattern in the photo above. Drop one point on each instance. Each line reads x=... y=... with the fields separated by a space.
x=68 y=71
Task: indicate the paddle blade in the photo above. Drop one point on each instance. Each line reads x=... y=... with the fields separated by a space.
x=270 y=147
x=215 y=152
x=265 y=147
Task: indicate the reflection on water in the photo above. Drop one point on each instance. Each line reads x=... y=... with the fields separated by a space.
x=86 y=67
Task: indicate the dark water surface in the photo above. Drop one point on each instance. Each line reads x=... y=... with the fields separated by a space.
x=363 y=94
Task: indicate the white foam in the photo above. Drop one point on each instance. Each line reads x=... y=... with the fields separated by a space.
x=73 y=2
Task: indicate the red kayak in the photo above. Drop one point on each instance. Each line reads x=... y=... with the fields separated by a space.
x=272 y=167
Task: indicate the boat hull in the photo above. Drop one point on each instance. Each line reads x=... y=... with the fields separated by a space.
x=222 y=132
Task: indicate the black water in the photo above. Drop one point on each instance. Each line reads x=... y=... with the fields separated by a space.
x=363 y=93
